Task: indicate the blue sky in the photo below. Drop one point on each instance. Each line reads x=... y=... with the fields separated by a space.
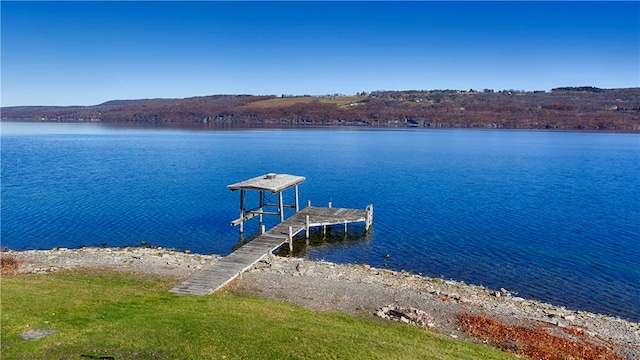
x=85 y=53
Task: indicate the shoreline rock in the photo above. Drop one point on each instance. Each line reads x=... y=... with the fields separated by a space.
x=154 y=260
x=364 y=290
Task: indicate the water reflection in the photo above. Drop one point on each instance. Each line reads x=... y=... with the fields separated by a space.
x=334 y=237
x=321 y=237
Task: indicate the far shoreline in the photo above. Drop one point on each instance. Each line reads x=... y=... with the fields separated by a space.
x=197 y=127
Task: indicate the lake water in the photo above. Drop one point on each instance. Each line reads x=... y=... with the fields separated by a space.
x=554 y=216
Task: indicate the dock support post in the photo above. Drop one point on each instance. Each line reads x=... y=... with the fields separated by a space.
x=290 y=239
x=329 y=204
x=306 y=226
x=261 y=206
x=369 y=218
x=280 y=206
x=297 y=207
x=308 y=203
x=345 y=228
x=241 y=211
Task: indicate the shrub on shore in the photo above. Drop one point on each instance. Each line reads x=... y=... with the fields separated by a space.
x=8 y=264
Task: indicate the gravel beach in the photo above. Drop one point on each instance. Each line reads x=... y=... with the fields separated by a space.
x=354 y=289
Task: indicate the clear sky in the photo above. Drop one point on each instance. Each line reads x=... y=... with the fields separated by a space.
x=85 y=53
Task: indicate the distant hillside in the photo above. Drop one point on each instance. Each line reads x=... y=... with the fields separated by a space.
x=562 y=108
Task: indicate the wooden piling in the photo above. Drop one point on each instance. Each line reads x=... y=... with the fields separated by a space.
x=306 y=226
x=369 y=217
x=290 y=239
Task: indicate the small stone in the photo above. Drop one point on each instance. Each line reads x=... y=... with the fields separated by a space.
x=36 y=334
x=262 y=264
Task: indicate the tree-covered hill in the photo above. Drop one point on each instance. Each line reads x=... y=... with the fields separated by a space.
x=563 y=108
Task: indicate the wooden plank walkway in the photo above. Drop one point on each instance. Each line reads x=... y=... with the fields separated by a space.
x=231 y=266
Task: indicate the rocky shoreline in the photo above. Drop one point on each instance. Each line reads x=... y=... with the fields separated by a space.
x=356 y=289
x=153 y=260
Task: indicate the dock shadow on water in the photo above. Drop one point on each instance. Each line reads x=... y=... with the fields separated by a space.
x=243 y=240
x=333 y=237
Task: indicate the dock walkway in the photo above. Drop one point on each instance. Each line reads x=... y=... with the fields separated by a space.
x=231 y=266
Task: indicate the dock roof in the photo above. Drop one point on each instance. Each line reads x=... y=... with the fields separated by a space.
x=268 y=182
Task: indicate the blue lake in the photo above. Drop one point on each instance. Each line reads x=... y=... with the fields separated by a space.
x=554 y=216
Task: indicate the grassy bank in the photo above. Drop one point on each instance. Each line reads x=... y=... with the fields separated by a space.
x=126 y=316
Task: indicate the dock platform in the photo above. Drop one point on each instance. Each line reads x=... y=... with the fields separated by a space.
x=231 y=266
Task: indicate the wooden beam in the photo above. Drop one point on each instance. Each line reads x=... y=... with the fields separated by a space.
x=283 y=205
x=250 y=215
x=239 y=221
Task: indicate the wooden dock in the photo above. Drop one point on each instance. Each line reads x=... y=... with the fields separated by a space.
x=231 y=266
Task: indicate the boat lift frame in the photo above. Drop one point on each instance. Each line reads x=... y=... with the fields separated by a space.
x=273 y=183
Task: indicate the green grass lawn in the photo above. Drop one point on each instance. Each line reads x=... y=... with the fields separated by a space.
x=127 y=316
